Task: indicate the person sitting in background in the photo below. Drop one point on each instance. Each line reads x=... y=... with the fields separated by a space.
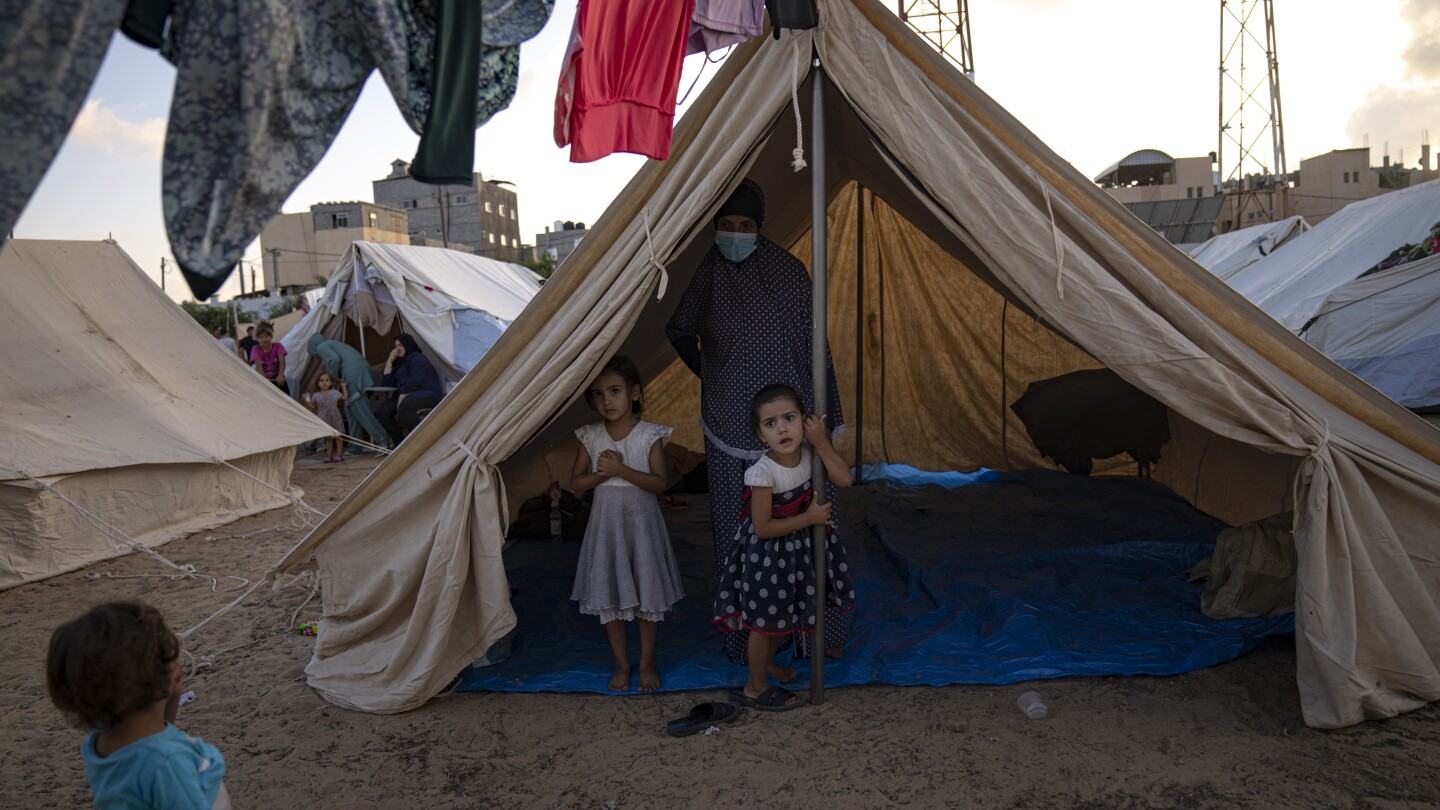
x=347 y=364
x=417 y=386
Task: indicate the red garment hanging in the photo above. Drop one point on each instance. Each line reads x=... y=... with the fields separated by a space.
x=619 y=78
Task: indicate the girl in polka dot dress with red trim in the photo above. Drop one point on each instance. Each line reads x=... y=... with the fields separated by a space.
x=768 y=587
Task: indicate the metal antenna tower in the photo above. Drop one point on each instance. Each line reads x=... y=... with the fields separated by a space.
x=946 y=23
x=1254 y=109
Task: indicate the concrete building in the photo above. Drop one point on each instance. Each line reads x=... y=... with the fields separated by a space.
x=559 y=242
x=1329 y=182
x=298 y=250
x=483 y=214
x=1175 y=196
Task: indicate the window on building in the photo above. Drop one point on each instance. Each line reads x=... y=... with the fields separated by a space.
x=1199 y=191
x=491 y=238
x=502 y=209
x=374 y=220
x=1189 y=192
x=487 y=207
x=341 y=220
x=407 y=203
x=512 y=213
x=460 y=199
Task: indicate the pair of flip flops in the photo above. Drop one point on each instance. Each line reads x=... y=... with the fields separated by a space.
x=702 y=717
x=774 y=699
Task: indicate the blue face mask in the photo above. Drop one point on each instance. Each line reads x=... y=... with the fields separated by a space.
x=736 y=247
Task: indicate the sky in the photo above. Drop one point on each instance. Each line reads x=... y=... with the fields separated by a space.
x=1095 y=80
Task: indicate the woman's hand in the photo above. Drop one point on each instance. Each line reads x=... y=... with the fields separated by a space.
x=816 y=432
x=609 y=464
x=818 y=514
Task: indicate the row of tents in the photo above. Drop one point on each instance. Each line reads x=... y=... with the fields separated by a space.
x=1383 y=326
x=965 y=257
x=988 y=263
x=125 y=425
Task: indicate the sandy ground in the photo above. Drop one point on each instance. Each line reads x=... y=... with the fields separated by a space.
x=1229 y=736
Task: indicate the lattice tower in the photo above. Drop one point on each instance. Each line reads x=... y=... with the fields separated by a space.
x=946 y=23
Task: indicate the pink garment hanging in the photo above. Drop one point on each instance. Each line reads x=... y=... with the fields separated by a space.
x=718 y=24
x=619 y=78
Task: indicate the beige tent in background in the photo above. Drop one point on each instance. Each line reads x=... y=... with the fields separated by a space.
x=115 y=400
x=988 y=263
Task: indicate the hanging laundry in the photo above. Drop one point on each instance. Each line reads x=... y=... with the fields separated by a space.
x=619 y=78
x=717 y=24
x=800 y=15
x=261 y=90
x=49 y=55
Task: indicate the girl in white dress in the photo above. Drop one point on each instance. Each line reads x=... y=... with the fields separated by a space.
x=627 y=569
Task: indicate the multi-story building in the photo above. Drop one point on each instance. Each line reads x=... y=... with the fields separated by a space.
x=300 y=250
x=483 y=214
x=559 y=242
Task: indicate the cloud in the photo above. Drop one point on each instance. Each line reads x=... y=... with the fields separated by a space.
x=1396 y=115
x=101 y=127
x=1422 y=55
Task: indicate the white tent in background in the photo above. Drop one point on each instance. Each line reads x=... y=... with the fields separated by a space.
x=1229 y=253
x=455 y=304
x=113 y=399
x=1292 y=284
x=1385 y=328
x=1000 y=265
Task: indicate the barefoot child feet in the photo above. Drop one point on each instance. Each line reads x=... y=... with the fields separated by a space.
x=768 y=589
x=627 y=570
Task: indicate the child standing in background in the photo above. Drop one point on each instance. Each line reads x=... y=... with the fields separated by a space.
x=325 y=401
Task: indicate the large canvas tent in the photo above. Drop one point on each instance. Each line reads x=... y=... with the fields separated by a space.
x=988 y=263
x=1292 y=284
x=118 y=402
x=1229 y=253
x=455 y=304
x=1385 y=328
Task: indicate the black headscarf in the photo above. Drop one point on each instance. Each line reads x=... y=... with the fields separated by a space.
x=746 y=201
x=411 y=347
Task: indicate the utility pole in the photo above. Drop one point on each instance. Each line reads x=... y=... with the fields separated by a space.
x=274 y=268
x=946 y=23
x=162 y=274
x=442 y=197
x=1254 y=103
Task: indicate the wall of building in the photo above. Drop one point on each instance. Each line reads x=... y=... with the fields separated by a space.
x=1332 y=181
x=309 y=245
x=482 y=215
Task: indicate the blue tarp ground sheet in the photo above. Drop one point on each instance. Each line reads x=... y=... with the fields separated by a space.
x=983 y=578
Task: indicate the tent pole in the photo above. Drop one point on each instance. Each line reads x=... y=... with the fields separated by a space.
x=859 y=331
x=820 y=386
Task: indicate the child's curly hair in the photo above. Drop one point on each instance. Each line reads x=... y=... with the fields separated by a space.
x=110 y=663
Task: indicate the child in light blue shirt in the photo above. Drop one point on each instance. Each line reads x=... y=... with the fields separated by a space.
x=117 y=670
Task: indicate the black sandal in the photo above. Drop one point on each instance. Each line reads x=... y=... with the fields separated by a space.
x=702 y=717
x=774 y=699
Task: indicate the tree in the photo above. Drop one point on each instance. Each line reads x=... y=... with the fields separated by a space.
x=544 y=266
x=208 y=316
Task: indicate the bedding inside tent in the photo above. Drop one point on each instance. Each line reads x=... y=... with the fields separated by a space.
x=985 y=578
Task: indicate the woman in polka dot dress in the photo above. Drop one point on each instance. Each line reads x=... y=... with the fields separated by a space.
x=768 y=585
x=743 y=323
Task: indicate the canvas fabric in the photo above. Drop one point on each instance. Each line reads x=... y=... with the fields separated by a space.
x=455 y=305
x=122 y=403
x=1013 y=267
